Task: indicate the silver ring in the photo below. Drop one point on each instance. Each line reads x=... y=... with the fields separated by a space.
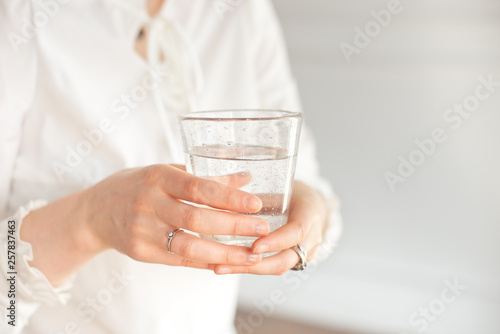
x=170 y=237
x=302 y=264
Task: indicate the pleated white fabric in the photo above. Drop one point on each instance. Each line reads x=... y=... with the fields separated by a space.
x=77 y=104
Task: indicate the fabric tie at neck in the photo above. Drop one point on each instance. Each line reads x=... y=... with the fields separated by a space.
x=170 y=53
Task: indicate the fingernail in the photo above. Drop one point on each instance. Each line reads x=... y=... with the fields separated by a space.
x=261 y=249
x=224 y=271
x=261 y=229
x=253 y=258
x=253 y=203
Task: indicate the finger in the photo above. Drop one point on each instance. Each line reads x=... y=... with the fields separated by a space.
x=301 y=218
x=273 y=265
x=181 y=167
x=150 y=247
x=196 y=249
x=209 y=221
x=270 y=202
x=158 y=254
x=198 y=190
x=236 y=180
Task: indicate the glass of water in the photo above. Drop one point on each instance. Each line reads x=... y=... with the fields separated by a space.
x=260 y=146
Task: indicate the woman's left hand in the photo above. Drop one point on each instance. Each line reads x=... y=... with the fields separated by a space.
x=306 y=225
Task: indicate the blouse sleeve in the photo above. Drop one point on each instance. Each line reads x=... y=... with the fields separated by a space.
x=25 y=285
x=278 y=90
x=17 y=82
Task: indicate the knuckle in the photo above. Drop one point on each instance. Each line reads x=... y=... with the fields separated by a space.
x=228 y=256
x=192 y=219
x=228 y=198
x=246 y=270
x=232 y=257
x=202 y=191
x=193 y=187
x=134 y=249
x=140 y=200
x=282 y=268
x=187 y=249
x=137 y=205
x=152 y=173
x=133 y=229
x=210 y=189
x=301 y=233
x=238 y=227
x=185 y=262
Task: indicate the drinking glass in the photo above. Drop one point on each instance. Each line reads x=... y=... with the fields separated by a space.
x=257 y=146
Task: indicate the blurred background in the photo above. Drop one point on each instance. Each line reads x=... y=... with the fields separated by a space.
x=421 y=246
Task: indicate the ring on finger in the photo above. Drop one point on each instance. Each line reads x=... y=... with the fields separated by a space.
x=302 y=264
x=170 y=237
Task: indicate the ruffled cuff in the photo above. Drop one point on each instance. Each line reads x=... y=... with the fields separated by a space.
x=36 y=285
x=32 y=288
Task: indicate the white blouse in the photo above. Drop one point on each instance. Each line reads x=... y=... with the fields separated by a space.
x=77 y=104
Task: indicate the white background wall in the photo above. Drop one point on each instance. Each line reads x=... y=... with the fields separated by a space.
x=443 y=222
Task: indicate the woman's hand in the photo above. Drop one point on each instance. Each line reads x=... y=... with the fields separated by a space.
x=132 y=211
x=306 y=226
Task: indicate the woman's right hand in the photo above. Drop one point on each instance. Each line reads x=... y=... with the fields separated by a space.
x=132 y=211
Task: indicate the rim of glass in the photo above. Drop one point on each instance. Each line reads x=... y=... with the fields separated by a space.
x=199 y=115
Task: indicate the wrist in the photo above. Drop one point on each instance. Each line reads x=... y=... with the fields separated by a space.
x=60 y=238
x=88 y=236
